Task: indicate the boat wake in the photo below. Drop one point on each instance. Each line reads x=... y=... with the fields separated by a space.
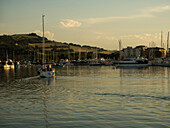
x=29 y=78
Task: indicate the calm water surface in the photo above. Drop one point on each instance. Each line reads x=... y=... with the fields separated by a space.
x=89 y=97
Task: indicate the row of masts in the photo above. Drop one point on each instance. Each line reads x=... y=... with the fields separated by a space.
x=43 y=46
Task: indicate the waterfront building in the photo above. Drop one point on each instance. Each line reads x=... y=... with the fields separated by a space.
x=155 y=52
x=128 y=52
x=139 y=51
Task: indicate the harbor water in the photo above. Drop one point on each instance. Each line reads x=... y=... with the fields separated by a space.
x=85 y=97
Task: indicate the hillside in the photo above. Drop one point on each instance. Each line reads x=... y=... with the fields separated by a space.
x=27 y=46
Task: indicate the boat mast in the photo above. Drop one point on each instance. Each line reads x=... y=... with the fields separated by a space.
x=168 y=43
x=79 y=54
x=6 y=55
x=43 y=40
x=120 y=44
x=161 y=39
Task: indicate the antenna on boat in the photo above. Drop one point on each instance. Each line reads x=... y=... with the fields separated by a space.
x=43 y=40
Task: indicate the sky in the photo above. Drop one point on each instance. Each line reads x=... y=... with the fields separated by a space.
x=98 y=23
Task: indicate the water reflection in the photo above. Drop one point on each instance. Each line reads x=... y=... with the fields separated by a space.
x=151 y=81
x=45 y=106
x=85 y=96
x=46 y=82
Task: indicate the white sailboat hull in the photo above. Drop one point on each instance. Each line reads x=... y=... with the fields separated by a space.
x=47 y=74
x=7 y=66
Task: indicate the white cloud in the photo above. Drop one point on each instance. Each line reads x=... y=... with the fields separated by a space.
x=147 y=35
x=108 y=19
x=4 y=33
x=147 y=13
x=47 y=34
x=139 y=37
x=68 y=23
x=158 y=9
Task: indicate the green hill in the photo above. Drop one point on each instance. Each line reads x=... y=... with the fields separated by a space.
x=29 y=47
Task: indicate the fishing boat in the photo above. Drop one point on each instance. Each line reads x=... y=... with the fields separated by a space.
x=133 y=63
x=46 y=71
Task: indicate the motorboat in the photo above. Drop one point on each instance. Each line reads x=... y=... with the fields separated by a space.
x=133 y=63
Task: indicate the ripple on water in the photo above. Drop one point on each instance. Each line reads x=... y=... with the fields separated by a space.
x=86 y=97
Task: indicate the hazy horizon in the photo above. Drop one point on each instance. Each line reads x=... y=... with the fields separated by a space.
x=98 y=23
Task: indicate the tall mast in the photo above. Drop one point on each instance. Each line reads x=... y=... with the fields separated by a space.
x=168 y=42
x=120 y=45
x=6 y=55
x=161 y=39
x=43 y=40
x=96 y=53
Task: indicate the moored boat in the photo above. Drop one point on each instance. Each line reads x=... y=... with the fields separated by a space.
x=17 y=64
x=133 y=63
x=7 y=64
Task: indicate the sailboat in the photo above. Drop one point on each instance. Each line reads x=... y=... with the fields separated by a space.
x=95 y=61
x=46 y=71
x=8 y=63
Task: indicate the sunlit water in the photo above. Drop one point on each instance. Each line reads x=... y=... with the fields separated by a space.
x=89 y=97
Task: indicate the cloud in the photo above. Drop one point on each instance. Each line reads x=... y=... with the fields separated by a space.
x=4 y=33
x=139 y=37
x=147 y=34
x=145 y=37
x=68 y=23
x=109 y=19
x=147 y=13
x=158 y=9
x=47 y=34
